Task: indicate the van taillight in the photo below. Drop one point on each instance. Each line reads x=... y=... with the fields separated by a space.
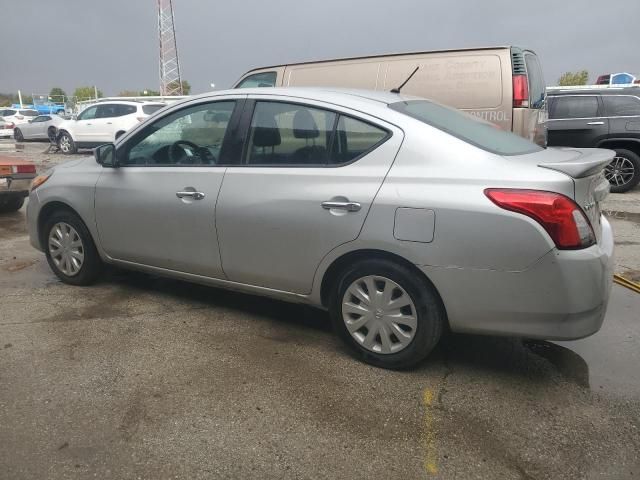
x=560 y=216
x=520 y=91
x=24 y=169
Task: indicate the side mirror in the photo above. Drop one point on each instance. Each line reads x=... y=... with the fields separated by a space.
x=106 y=155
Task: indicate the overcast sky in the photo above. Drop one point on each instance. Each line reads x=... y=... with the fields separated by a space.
x=113 y=43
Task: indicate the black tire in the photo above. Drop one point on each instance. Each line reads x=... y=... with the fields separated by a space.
x=17 y=135
x=51 y=134
x=631 y=160
x=431 y=317
x=92 y=265
x=66 y=143
x=11 y=204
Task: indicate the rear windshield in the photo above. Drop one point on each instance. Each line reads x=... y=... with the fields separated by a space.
x=465 y=127
x=29 y=113
x=7 y=113
x=149 y=109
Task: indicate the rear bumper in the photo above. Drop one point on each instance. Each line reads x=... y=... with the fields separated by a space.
x=6 y=132
x=563 y=296
x=15 y=187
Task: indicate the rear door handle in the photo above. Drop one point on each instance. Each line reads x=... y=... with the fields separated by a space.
x=348 y=206
x=189 y=194
x=595 y=123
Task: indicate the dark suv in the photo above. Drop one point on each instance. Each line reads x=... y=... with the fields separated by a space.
x=600 y=117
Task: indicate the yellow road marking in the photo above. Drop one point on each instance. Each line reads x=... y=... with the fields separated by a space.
x=431 y=459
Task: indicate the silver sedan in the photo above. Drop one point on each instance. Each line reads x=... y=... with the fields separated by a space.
x=42 y=127
x=399 y=216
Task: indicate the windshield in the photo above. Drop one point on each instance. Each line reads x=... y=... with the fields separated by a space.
x=465 y=127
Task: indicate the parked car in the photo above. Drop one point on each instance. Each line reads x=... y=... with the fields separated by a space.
x=503 y=85
x=400 y=216
x=18 y=115
x=42 y=127
x=102 y=122
x=605 y=117
x=15 y=178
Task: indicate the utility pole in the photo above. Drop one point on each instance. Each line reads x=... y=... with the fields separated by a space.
x=170 y=81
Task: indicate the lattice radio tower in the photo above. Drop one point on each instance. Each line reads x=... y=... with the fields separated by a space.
x=170 y=81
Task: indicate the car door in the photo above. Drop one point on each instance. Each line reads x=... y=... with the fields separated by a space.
x=576 y=121
x=38 y=126
x=103 y=125
x=83 y=126
x=158 y=208
x=623 y=112
x=308 y=178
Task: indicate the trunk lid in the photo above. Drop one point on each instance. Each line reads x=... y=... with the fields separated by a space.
x=585 y=167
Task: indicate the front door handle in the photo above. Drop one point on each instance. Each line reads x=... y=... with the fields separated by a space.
x=348 y=206
x=595 y=123
x=193 y=195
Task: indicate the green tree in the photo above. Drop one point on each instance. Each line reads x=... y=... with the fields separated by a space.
x=147 y=92
x=129 y=93
x=573 y=78
x=57 y=92
x=85 y=93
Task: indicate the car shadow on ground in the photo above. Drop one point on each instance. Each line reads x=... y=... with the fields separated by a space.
x=532 y=359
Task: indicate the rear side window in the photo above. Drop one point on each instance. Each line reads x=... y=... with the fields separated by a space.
x=621 y=106
x=578 y=106
x=467 y=128
x=354 y=138
x=149 y=109
x=125 y=110
x=262 y=79
x=537 y=86
x=29 y=113
x=289 y=134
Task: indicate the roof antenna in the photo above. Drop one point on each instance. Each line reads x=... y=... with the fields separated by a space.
x=397 y=90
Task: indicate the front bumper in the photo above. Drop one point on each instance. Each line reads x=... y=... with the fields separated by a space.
x=563 y=296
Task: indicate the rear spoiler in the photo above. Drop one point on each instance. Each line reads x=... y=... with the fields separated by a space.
x=587 y=162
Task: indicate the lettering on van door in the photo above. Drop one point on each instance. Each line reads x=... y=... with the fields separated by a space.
x=493 y=116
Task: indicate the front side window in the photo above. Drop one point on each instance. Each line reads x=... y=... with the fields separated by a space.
x=621 y=106
x=467 y=128
x=262 y=79
x=579 y=106
x=289 y=134
x=89 y=113
x=191 y=136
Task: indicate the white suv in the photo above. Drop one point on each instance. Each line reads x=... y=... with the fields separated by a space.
x=102 y=123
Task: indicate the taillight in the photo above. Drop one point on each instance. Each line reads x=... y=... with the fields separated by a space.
x=520 y=91
x=39 y=180
x=560 y=216
x=23 y=168
x=9 y=126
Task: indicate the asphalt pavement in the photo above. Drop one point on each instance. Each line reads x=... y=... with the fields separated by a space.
x=143 y=377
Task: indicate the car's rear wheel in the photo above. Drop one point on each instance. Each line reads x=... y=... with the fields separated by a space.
x=70 y=250
x=11 y=204
x=66 y=143
x=623 y=173
x=17 y=134
x=386 y=313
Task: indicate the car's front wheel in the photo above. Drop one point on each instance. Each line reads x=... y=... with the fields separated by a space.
x=387 y=314
x=66 y=143
x=623 y=173
x=70 y=250
x=17 y=135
